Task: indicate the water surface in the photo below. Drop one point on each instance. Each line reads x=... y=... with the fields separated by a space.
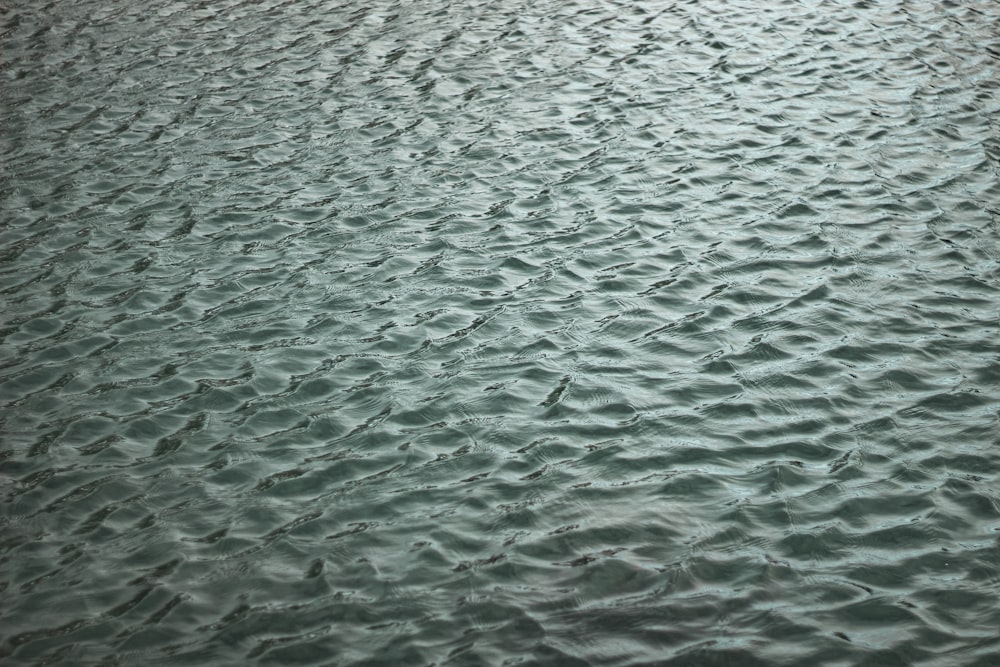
x=522 y=332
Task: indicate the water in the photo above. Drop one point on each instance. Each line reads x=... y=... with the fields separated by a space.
x=538 y=332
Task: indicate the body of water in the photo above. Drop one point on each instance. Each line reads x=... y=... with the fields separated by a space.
x=552 y=332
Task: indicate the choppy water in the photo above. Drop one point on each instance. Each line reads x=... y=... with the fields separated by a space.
x=553 y=332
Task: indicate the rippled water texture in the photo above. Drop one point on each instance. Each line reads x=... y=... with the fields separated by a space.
x=552 y=332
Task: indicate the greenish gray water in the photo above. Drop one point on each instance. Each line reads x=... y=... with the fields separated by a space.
x=535 y=332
